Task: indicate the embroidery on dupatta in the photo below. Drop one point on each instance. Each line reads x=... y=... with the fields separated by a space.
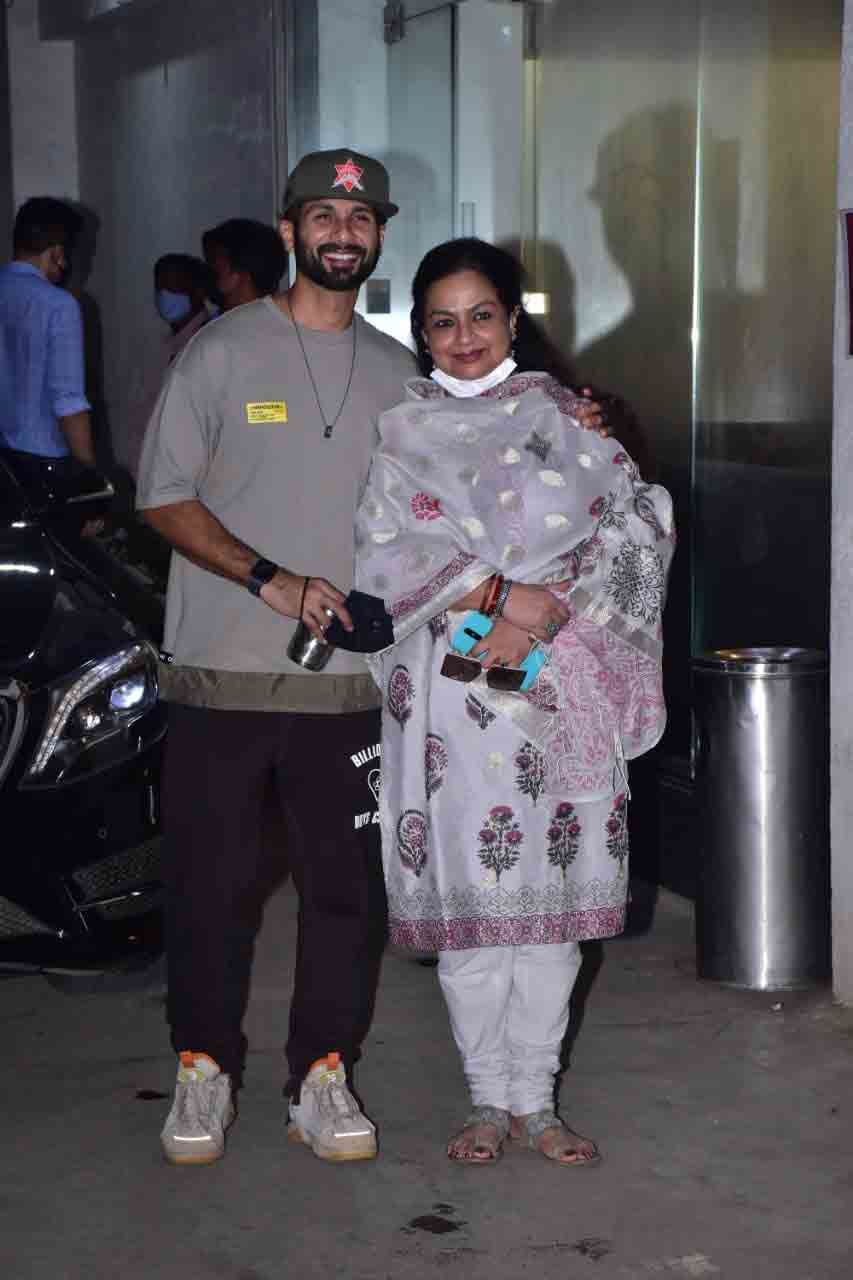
x=408 y=604
x=636 y=581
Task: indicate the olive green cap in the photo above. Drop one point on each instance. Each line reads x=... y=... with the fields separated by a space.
x=340 y=175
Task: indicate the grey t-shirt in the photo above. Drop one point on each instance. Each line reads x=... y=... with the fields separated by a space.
x=237 y=426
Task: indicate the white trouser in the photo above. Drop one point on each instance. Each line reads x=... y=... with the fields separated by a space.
x=509 y=1009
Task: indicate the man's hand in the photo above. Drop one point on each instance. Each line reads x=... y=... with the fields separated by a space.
x=195 y=531
x=77 y=429
x=591 y=415
x=609 y=415
x=284 y=594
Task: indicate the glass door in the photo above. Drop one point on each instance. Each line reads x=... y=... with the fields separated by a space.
x=611 y=129
x=419 y=156
x=380 y=79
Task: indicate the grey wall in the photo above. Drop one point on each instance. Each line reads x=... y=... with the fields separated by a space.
x=43 y=108
x=6 y=194
x=177 y=125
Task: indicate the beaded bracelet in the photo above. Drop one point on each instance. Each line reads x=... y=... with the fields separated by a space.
x=506 y=587
x=495 y=585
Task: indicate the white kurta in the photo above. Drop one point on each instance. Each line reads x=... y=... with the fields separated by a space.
x=504 y=816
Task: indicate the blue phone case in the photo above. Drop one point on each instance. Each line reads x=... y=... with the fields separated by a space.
x=472 y=629
x=532 y=664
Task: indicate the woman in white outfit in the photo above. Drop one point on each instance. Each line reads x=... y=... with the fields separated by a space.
x=496 y=528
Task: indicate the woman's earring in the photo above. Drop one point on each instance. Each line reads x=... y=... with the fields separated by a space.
x=513 y=344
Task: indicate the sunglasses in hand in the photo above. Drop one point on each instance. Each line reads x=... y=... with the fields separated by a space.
x=501 y=679
x=458 y=666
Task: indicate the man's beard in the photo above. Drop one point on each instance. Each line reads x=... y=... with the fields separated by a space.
x=338 y=280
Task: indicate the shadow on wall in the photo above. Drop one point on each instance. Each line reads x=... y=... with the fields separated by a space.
x=424 y=220
x=82 y=264
x=644 y=190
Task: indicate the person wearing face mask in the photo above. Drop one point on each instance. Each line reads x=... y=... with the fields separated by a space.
x=182 y=289
x=523 y=561
x=44 y=413
x=182 y=286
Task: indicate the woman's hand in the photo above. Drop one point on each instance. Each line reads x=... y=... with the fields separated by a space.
x=504 y=646
x=536 y=609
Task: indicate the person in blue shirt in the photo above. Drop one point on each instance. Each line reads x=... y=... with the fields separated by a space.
x=44 y=413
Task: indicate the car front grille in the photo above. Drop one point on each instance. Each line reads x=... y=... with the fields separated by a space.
x=15 y=922
x=125 y=884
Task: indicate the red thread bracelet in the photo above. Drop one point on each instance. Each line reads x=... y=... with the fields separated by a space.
x=493 y=593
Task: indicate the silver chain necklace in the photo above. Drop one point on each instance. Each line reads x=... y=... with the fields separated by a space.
x=328 y=427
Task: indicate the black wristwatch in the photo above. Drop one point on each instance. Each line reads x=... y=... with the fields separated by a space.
x=261 y=572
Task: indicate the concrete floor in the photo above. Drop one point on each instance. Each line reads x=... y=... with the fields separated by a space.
x=725 y=1126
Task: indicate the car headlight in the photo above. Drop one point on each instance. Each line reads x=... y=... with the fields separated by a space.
x=93 y=716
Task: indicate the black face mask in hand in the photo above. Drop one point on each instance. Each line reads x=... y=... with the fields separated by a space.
x=374 y=629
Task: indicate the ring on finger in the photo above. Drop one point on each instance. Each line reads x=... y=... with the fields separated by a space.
x=551 y=629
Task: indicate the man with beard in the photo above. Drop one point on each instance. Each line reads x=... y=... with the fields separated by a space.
x=252 y=467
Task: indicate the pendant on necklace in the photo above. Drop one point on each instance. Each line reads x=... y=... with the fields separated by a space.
x=328 y=427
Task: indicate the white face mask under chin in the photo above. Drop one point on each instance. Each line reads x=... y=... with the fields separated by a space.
x=473 y=386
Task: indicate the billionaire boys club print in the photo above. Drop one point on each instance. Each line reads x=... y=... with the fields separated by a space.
x=367 y=760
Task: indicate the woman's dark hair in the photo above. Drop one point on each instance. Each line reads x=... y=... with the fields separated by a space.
x=533 y=351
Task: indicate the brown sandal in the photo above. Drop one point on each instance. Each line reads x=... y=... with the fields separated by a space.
x=529 y=1131
x=481 y=1138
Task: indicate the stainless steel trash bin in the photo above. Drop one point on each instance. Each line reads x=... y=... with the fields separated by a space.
x=762 y=773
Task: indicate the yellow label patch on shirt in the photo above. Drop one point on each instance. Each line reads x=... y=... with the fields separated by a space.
x=266 y=411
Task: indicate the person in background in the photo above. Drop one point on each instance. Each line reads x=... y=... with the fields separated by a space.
x=44 y=413
x=182 y=291
x=246 y=258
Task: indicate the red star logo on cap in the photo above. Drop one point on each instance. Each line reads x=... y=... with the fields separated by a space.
x=348 y=176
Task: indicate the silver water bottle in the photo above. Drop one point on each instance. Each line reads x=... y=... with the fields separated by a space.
x=306 y=650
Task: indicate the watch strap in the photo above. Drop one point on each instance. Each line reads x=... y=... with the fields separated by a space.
x=261 y=572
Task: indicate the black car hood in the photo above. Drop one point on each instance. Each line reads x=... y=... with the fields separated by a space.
x=53 y=615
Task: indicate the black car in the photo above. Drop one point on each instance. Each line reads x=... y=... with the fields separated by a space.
x=81 y=734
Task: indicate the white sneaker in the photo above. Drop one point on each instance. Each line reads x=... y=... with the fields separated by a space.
x=327 y=1117
x=194 y=1132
